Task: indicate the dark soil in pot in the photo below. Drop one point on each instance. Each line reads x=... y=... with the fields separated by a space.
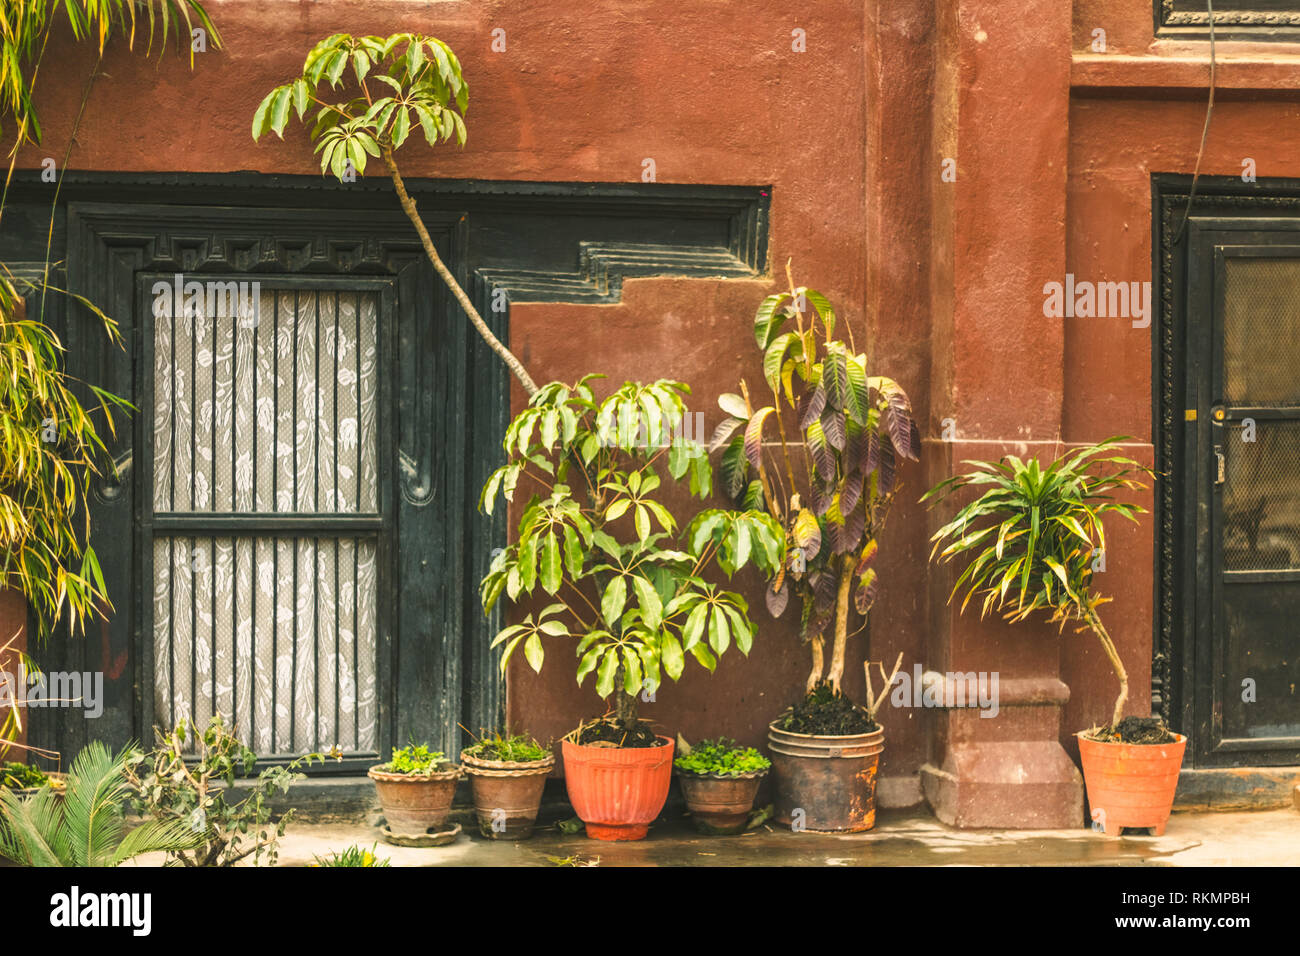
x=1134 y=730
x=826 y=713
x=616 y=733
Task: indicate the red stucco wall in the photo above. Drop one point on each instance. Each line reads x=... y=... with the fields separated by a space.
x=1054 y=146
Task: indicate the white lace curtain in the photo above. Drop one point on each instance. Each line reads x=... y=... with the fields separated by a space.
x=270 y=412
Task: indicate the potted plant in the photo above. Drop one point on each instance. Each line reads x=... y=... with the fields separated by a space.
x=719 y=782
x=415 y=790
x=507 y=776
x=624 y=578
x=840 y=434
x=25 y=780
x=1028 y=544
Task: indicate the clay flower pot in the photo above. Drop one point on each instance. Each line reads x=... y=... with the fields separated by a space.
x=823 y=782
x=414 y=804
x=618 y=791
x=1131 y=785
x=507 y=794
x=720 y=804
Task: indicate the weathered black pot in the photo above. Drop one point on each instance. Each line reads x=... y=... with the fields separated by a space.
x=825 y=783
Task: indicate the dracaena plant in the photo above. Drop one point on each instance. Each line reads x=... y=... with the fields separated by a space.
x=622 y=576
x=834 y=433
x=370 y=94
x=1028 y=543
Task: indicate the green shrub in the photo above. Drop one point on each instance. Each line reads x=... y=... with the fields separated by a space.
x=515 y=747
x=417 y=759
x=721 y=757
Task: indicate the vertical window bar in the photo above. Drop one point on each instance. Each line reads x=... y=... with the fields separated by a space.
x=212 y=581
x=293 y=673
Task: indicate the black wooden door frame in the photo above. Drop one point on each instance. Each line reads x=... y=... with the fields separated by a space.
x=1186 y=642
x=111 y=248
x=507 y=241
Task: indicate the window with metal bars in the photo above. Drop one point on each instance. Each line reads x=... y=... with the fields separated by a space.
x=267 y=516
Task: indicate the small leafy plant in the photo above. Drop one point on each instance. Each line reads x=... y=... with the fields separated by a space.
x=353 y=856
x=721 y=758
x=515 y=748
x=625 y=575
x=21 y=776
x=197 y=791
x=415 y=760
x=1028 y=542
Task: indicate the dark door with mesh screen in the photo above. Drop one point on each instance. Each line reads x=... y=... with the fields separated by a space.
x=1244 y=373
x=266 y=516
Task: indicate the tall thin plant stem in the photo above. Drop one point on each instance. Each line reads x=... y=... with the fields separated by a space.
x=408 y=206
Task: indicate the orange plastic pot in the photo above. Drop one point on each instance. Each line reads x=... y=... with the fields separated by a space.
x=1131 y=785
x=618 y=792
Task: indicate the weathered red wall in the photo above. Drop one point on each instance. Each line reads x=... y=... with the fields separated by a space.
x=714 y=93
x=1054 y=146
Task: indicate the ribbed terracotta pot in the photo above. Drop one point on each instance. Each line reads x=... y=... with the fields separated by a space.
x=1131 y=785
x=825 y=783
x=414 y=804
x=507 y=794
x=720 y=804
x=618 y=791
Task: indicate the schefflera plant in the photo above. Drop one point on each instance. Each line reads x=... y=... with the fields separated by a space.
x=626 y=575
x=840 y=434
x=371 y=94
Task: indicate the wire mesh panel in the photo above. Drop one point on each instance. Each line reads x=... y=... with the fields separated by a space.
x=1261 y=497
x=1261 y=331
x=267 y=417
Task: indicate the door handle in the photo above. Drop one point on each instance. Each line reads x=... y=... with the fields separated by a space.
x=1221 y=475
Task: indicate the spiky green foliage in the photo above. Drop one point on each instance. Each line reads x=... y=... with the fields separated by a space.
x=1029 y=542
x=625 y=573
x=86 y=827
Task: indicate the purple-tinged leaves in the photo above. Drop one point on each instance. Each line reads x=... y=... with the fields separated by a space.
x=848 y=535
x=865 y=594
x=867 y=557
x=822 y=452
x=832 y=423
x=887 y=468
x=822 y=494
x=754 y=436
x=726 y=428
x=811 y=408
x=777 y=600
x=851 y=492
x=873 y=453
